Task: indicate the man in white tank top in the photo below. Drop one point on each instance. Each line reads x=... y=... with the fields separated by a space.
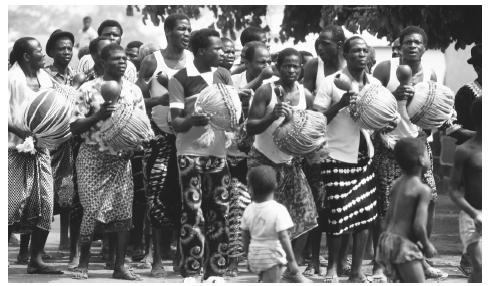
x=347 y=175
x=161 y=170
x=330 y=59
x=272 y=104
x=413 y=42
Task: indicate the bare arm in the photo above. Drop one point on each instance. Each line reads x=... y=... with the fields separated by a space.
x=420 y=221
x=258 y=81
x=309 y=98
x=181 y=122
x=246 y=238
x=310 y=74
x=84 y=124
x=17 y=131
x=148 y=67
x=332 y=111
x=258 y=120
x=284 y=238
x=456 y=189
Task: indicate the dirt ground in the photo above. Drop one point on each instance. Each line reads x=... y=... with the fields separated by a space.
x=445 y=237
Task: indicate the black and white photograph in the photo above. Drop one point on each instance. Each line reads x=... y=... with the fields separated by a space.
x=244 y=143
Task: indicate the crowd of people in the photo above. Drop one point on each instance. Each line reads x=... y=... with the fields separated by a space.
x=210 y=207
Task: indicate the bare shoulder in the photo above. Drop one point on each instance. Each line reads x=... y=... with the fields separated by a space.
x=148 y=66
x=263 y=92
x=311 y=66
x=463 y=151
x=382 y=72
x=424 y=192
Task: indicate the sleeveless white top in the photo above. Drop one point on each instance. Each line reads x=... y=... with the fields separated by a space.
x=343 y=133
x=320 y=77
x=263 y=142
x=405 y=128
x=160 y=114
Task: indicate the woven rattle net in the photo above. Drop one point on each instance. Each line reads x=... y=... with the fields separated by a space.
x=222 y=103
x=126 y=129
x=48 y=118
x=431 y=106
x=374 y=107
x=302 y=134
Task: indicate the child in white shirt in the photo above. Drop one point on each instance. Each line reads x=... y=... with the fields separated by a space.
x=265 y=225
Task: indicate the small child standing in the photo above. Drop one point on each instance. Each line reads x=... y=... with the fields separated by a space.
x=401 y=245
x=466 y=193
x=265 y=225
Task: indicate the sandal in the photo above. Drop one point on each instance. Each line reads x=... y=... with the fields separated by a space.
x=158 y=271
x=323 y=261
x=380 y=278
x=466 y=270
x=80 y=274
x=22 y=260
x=109 y=266
x=345 y=270
x=126 y=274
x=295 y=278
x=312 y=270
x=73 y=264
x=42 y=269
x=435 y=273
x=331 y=279
x=231 y=272
x=362 y=279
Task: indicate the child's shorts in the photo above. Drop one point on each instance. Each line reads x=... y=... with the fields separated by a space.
x=394 y=249
x=467 y=231
x=262 y=258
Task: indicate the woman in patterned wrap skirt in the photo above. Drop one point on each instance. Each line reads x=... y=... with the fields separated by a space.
x=105 y=185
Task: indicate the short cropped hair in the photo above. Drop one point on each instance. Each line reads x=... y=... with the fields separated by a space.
x=251 y=33
x=200 y=39
x=407 y=153
x=262 y=180
x=109 y=23
x=250 y=49
x=87 y=18
x=413 y=30
x=170 y=21
x=286 y=53
x=304 y=54
x=20 y=47
x=347 y=43
x=105 y=53
x=337 y=33
x=93 y=44
x=134 y=44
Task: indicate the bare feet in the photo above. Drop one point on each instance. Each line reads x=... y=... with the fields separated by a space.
x=73 y=263
x=126 y=273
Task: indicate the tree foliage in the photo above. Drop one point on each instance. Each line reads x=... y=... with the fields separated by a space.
x=230 y=18
x=443 y=24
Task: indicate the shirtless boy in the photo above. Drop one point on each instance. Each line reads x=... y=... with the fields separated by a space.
x=404 y=242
